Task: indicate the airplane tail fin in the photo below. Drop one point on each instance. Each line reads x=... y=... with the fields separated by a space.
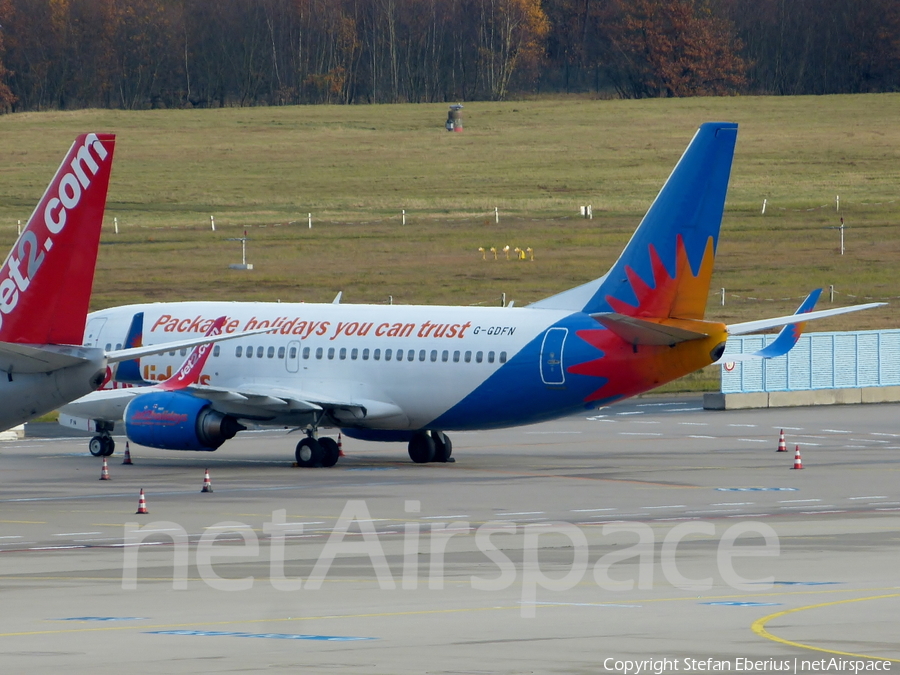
x=46 y=280
x=665 y=270
x=190 y=370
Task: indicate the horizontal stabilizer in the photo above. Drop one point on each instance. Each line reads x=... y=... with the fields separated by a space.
x=642 y=332
x=763 y=324
x=16 y=358
x=790 y=334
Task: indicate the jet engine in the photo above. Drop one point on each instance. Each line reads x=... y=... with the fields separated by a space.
x=174 y=420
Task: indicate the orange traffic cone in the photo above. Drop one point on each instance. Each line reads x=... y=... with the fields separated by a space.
x=127 y=459
x=781 y=445
x=798 y=463
x=340 y=446
x=104 y=472
x=142 y=504
x=207 y=485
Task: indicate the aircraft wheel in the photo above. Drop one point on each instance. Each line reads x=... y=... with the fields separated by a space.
x=97 y=446
x=421 y=448
x=309 y=453
x=109 y=446
x=443 y=448
x=331 y=452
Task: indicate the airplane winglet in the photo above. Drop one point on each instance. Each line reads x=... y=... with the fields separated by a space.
x=190 y=370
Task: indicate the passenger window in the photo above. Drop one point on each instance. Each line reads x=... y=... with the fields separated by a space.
x=445 y=355
x=184 y=351
x=305 y=352
x=422 y=355
x=270 y=352
x=118 y=347
x=376 y=354
x=365 y=354
x=238 y=351
x=354 y=353
x=216 y=350
x=259 y=352
x=343 y=353
x=411 y=355
x=399 y=355
x=108 y=346
x=456 y=356
x=249 y=352
x=502 y=357
x=478 y=357
x=468 y=357
x=281 y=353
x=490 y=357
x=387 y=354
x=434 y=355
x=318 y=352
x=330 y=353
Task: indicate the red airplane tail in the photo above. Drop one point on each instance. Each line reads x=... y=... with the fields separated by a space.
x=46 y=281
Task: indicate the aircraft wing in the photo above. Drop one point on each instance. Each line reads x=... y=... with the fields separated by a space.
x=136 y=352
x=265 y=402
x=257 y=403
x=19 y=358
x=107 y=405
x=23 y=358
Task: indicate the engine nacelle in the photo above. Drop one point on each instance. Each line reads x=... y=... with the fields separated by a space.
x=174 y=420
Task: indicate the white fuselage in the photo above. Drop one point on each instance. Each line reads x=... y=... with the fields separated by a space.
x=345 y=352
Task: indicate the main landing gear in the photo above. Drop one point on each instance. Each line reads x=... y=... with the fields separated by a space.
x=430 y=446
x=312 y=452
x=102 y=445
x=424 y=447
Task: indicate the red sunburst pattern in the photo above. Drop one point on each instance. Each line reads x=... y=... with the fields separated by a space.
x=629 y=370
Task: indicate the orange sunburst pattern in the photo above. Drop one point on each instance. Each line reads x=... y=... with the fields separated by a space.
x=683 y=296
x=628 y=369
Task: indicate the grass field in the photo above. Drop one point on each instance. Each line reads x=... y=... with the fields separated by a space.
x=356 y=167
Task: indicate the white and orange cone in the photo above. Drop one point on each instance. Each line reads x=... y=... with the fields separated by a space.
x=142 y=504
x=798 y=463
x=207 y=484
x=782 y=447
x=340 y=446
x=104 y=472
x=127 y=459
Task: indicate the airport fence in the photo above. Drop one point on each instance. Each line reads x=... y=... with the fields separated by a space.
x=841 y=360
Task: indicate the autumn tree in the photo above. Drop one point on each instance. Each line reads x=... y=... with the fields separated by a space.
x=673 y=48
x=509 y=36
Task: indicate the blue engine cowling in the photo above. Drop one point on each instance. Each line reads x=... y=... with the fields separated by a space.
x=174 y=420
